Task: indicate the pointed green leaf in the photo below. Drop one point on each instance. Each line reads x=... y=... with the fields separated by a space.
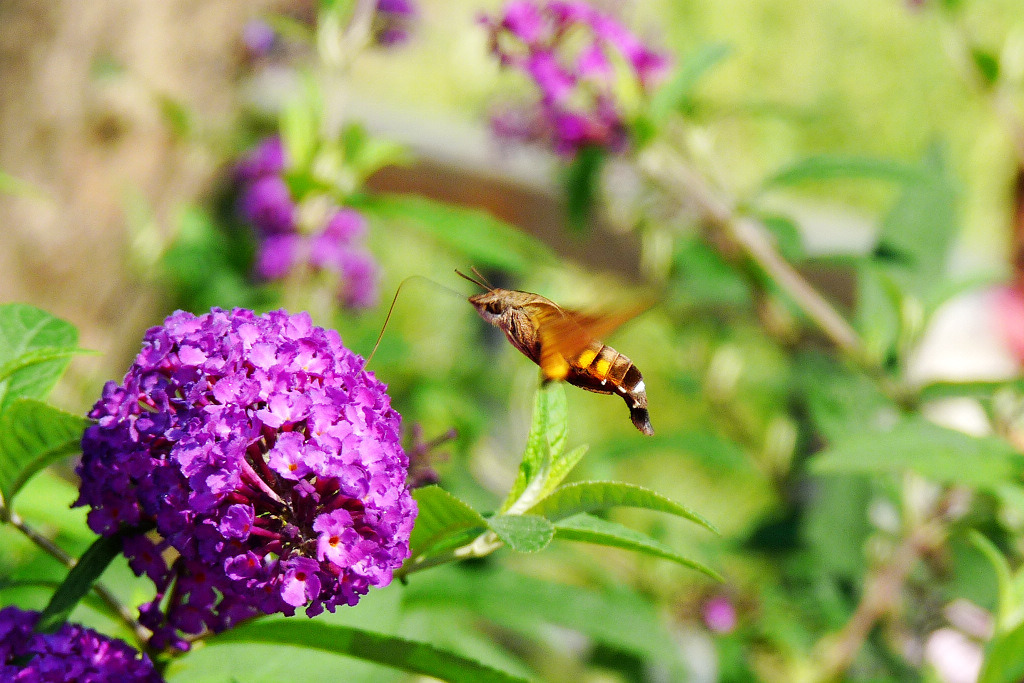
x=589 y=529
x=924 y=447
x=393 y=651
x=1004 y=658
x=26 y=329
x=523 y=533
x=826 y=167
x=478 y=236
x=1004 y=578
x=548 y=430
x=78 y=582
x=581 y=186
x=32 y=436
x=561 y=467
x=588 y=496
x=441 y=516
x=677 y=93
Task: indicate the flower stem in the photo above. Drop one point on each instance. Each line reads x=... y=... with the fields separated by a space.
x=59 y=554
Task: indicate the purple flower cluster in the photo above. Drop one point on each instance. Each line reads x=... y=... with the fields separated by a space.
x=73 y=653
x=266 y=202
x=266 y=461
x=578 y=58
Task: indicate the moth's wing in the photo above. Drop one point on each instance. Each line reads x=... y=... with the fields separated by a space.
x=565 y=333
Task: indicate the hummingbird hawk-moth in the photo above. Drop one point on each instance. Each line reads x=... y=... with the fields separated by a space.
x=565 y=344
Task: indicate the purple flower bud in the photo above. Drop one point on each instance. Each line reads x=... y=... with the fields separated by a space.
x=359 y=275
x=394 y=18
x=72 y=653
x=719 y=614
x=271 y=465
x=277 y=256
x=346 y=226
x=259 y=38
x=267 y=204
x=266 y=159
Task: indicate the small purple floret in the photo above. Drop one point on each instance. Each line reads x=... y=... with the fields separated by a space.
x=256 y=449
x=73 y=653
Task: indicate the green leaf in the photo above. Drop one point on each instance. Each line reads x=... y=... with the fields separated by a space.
x=677 y=93
x=561 y=467
x=300 y=124
x=987 y=65
x=588 y=496
x=878 y=316
x=523 y=533
x=916 y=236
x=828 y=167
x=840 y=399
x=24 y=330
x=389 y=650
x=975 y=389
x=34 y=435
x=13 y=185
x=581 y=180
x=548 y=433
x=926 y=448
x=613 y=615
x=78 y=582
x=589 y=529
x=1004 y=578
x=477 y=236
x=1004 y=658
x=441 y=516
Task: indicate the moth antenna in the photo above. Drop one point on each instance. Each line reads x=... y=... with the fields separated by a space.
x=391 y=309
x=478 y=283
x=482 y=278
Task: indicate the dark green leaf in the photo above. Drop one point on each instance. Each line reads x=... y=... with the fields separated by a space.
x=840 y=399
x=614 y=616
x=477 y=236
x=1004 y=658
x=27 y=329
x=392 y=651
x=34 y=435
x=441 y=515
x=987 y=65
x=590 y=529
x=828 y=167
x=588 y=496
x=548 y=433
x=581 y=180
x=522 y=533
x=677 y=94
x=926 y=448
x=78 y=582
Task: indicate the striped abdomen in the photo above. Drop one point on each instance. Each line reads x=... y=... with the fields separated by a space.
x=602 y=369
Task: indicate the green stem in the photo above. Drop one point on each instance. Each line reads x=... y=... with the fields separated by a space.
x=58 y=553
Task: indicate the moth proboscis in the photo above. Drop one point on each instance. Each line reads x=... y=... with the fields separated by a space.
x=566 y=344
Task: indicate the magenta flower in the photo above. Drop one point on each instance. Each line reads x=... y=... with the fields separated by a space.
x=719 y=614
x=260 y=452
x=394 y=21
x=569 y=50
x=73 y=653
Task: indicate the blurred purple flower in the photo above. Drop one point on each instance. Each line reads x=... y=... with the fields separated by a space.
x=258 y=37
x=565 y=48
x=250 y=444
x=72 y=653
x=267 y=204
x=277 y=256
x=719 y=614
x=394 y=20
x=266 y=159
x=359 y=278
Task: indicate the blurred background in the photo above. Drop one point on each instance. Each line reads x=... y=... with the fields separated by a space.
x=879 y=143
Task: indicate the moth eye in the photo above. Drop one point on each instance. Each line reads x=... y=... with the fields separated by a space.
x=494 y=307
